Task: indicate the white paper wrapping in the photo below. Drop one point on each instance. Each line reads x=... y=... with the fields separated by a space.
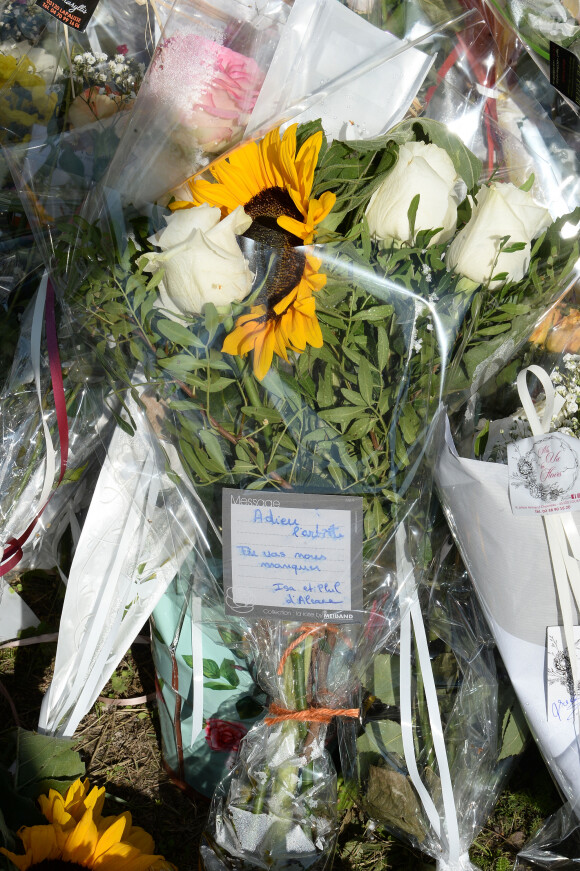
x=508 y=560
x=14 y=613
x=342 y=70
x=133 y=542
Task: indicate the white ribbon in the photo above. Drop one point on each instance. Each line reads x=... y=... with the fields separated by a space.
x=561 y=531
x=448 y=833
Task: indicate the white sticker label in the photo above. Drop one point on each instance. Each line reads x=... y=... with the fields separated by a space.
x=544 y=474
x=287 y=555
x=561 y=699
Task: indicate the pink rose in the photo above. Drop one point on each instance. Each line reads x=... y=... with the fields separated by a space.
x=122 y=49
x=222 y=735
x=218 y=88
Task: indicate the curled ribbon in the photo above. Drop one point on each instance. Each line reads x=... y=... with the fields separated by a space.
x=561 y=531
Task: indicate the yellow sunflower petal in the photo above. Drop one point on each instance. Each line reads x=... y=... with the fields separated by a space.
x=126 y=857
x=112 y=835
x=40 y=842
x=81 y=841
x=264 y=350
x=141 y=839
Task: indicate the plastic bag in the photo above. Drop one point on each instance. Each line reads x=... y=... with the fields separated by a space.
x=433 y=779
x=532 y=616
x=283 y=367
x=199 y=93
x=65 y=96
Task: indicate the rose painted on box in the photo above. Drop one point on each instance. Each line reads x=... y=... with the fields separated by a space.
x=223 y=735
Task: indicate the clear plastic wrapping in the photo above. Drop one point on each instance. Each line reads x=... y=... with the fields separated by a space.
x=530 y=614
x=288 y=326
x=65 y=97
x=482 y=725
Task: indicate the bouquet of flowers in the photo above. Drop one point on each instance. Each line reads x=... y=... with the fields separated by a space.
x=291 y=322
x=532 y=616
x=64 y=97
x=218 y=57
x=247 y=346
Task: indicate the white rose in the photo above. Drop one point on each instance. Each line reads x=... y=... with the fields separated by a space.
x=498 y=210
x=201 y=258
x=421 y=169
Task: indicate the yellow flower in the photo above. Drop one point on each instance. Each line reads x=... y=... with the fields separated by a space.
x=25 y=101
x=289 y=323
x=67 y=810
x=78 y=836
x=269 y=180
x=273 y=184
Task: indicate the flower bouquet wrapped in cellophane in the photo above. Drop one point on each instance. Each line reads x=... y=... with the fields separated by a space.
x=56 y=412
x=432 y=759
x=299 y=369
x=66 y=95
x=526 y=614
x=199 y=93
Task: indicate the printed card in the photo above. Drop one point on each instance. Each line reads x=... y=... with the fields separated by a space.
x=544 y=474
x=74 y=15
x=292 y=556
x=561 y=699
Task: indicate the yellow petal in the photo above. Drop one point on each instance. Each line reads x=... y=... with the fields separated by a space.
x=82 y=840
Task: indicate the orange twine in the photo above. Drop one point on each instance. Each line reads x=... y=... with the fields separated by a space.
x=311 y=715
x=305 y=630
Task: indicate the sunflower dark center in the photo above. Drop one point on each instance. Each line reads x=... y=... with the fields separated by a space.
x=57 y=865
x=285 y=268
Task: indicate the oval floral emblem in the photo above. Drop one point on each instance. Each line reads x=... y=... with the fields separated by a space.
x=549 y=469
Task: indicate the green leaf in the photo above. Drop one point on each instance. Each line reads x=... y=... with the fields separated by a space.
x=365 y=381
x=188 y=660
x=41 y=759
x=529 y=183
x=211 y=669
x=229 y=672
x=374 y=314
x=213 y=447
x=412 y=214
x=340 y=415
x=215 y=685
x=174 y=332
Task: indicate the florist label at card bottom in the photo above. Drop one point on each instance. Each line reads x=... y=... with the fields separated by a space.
x=292 y=556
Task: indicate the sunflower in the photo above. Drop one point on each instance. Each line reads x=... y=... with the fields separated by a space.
x=78 y=837
x=270 y=181
x=273 y=184
x=289 y=323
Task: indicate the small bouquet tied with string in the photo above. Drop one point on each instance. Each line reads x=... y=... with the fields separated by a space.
x=521 y=492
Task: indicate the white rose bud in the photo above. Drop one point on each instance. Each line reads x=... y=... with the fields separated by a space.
x=201 y=258
x=421 y=169
x=498 y=210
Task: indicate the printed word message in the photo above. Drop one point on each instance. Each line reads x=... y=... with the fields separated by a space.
x=75 y=15
x=561 y=699
x=288 y=555
x=544 y=474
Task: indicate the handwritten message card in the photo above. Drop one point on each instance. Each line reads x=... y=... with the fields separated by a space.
x=292 y=556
